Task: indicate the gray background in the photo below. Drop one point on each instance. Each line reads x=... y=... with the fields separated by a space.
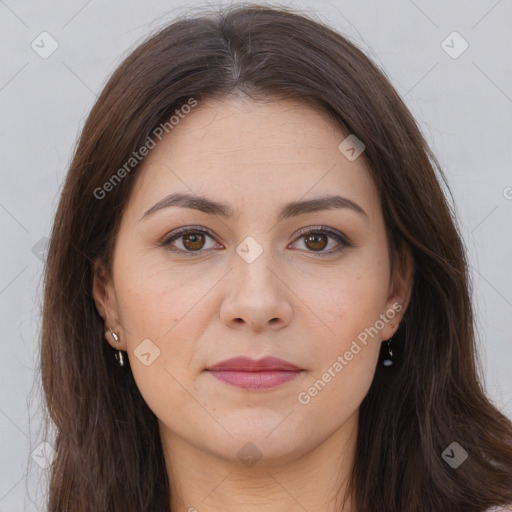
x=463 y=106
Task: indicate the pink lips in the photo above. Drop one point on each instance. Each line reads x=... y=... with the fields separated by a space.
x=250 y=374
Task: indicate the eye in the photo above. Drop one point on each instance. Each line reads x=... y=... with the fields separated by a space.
x=317 y=240
x=188 y=240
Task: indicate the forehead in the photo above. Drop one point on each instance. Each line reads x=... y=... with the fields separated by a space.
x=273 y=150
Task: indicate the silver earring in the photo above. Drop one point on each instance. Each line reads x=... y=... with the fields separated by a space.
x=388 y=358
x=118 y=355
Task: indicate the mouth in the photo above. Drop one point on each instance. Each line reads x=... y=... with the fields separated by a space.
x=250 y=374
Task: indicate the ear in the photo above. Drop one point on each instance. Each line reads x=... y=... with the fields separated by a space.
x=400 y=289
x=106 y=304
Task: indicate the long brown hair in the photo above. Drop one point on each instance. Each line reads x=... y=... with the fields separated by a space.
x=108 y=449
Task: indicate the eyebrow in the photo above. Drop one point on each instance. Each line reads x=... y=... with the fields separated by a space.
x=291 y=209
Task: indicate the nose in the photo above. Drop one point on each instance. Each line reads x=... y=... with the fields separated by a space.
x=258 y=298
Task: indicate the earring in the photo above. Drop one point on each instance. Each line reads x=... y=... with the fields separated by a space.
x=388 y=358
x=118 y=355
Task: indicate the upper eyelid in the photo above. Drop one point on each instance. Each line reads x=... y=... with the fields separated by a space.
x=325 y=229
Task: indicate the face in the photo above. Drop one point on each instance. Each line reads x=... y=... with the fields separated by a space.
x=271 y=273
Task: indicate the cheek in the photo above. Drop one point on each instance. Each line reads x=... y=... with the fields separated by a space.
x=345 y=357
x=160 y=325
x=349 y=301
x=347 y=346
x=154 y=296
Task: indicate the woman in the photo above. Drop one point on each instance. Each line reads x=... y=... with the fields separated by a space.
x=256 y=297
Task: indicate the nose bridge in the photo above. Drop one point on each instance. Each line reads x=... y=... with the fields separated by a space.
x=256 y=295
x=253 y=268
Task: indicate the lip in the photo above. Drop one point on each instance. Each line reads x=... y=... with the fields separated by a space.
x=250 y=374
x=246 y=364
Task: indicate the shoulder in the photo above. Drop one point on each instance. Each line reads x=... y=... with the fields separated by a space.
x=502 y=508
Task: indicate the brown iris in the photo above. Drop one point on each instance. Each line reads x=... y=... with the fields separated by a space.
x=193 y=241
x=318 y=240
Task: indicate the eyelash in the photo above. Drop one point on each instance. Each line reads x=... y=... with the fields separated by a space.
x=341 y=239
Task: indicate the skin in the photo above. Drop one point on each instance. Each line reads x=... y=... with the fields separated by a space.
x=289 y=302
